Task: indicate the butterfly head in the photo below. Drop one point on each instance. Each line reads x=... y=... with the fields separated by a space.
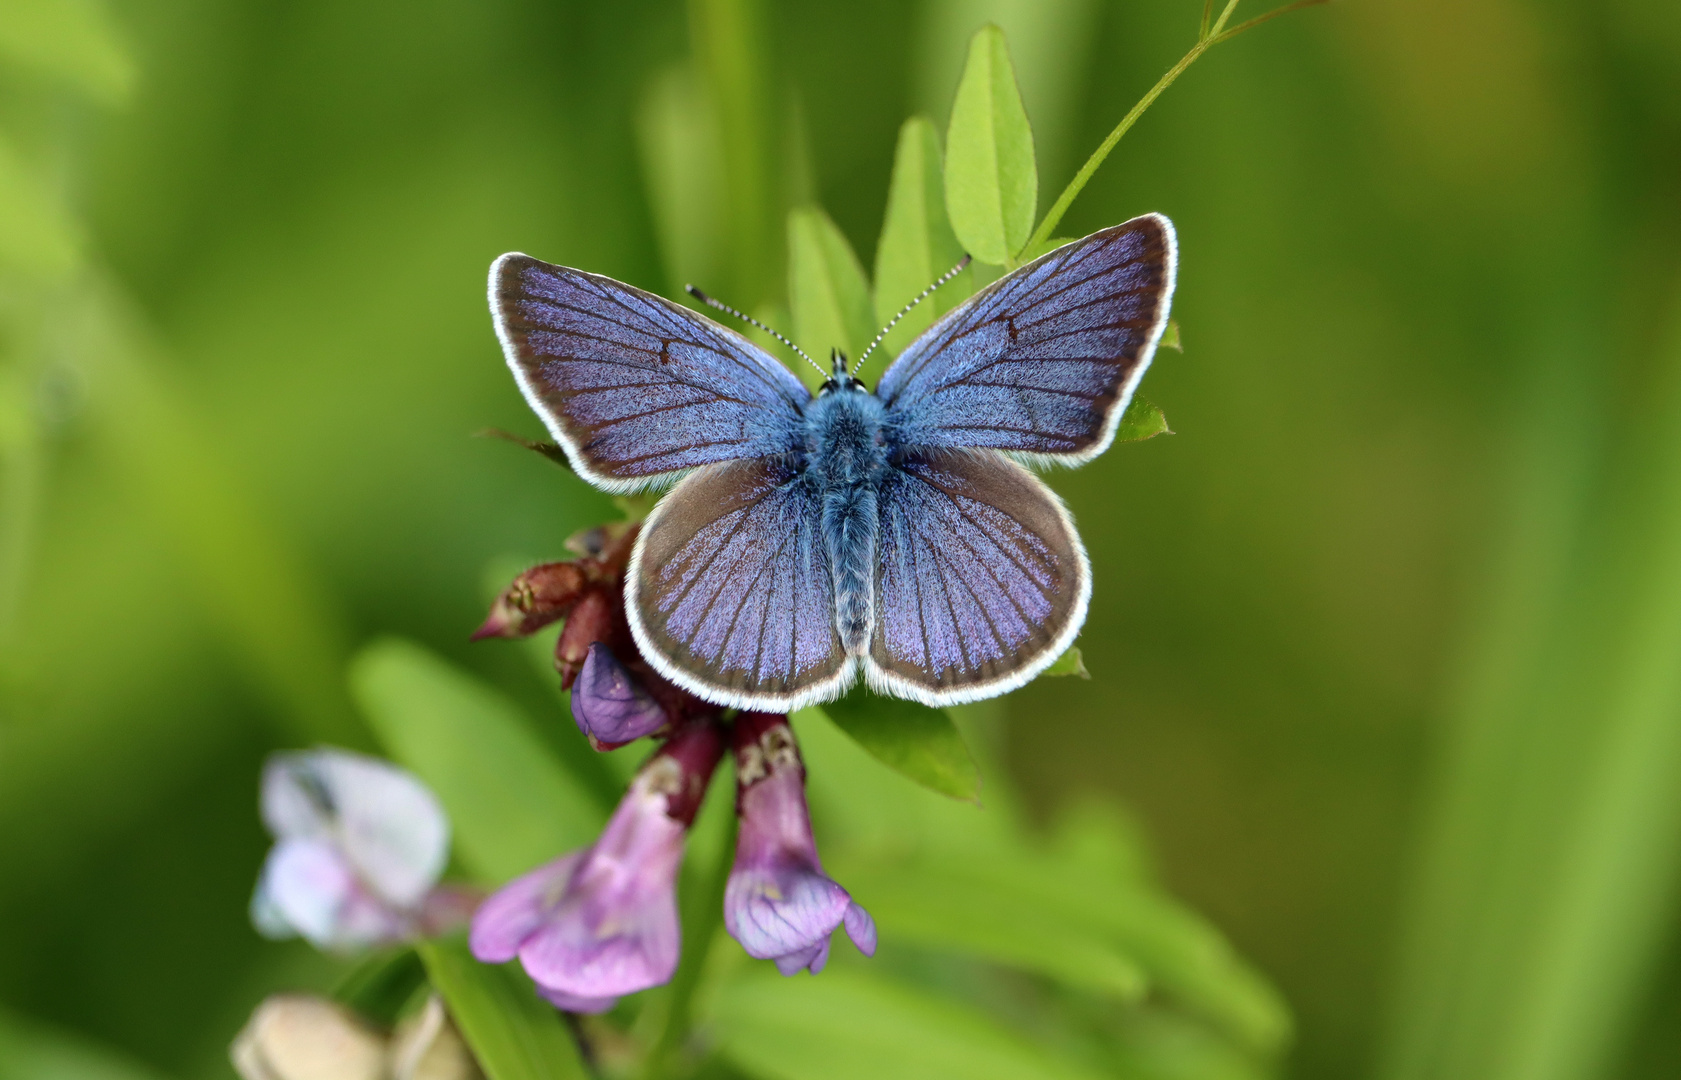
x=838 y=378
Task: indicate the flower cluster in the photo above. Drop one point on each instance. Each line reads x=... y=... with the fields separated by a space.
x=360 y=844
x=617 y=696
x=596 y=924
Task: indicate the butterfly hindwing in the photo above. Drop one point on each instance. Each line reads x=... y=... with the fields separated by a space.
x=729 y=592
x=1043 y=362
x=982 y=581
x=636 y=388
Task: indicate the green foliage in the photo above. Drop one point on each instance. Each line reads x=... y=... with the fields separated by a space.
x=513 y=1034
x=68 y=41
x=826 y=288
x=1141 y=421
x=850 y=1024
x=920 y=742
x=917 y=244
x=30 y=1051
x=1077 y=911
x=382 y=983
x=38 y=239
x=1069 y=663
x=992 y=182
x=511 y=804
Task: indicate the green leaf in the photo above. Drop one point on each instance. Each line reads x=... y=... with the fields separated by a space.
x=38 y=237
x=1141 y=421
x=992 y=184
x=510 y=803
x=920 y=742
x=678 y=142
x=1183 y=956
x=1170 y=337
x=33 y=1051
x=917 y=244
x=1069 y=663
x=847 y=1025
x=933 y=908
x=380 y=985
x=826 y=287
x=73 y=41
x=514 y=1034
x=1044 y=247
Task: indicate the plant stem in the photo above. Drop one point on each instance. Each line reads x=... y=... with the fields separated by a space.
x=1210 y=37
x=1220 y=23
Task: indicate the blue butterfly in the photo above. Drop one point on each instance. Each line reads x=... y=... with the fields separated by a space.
x=893 y=533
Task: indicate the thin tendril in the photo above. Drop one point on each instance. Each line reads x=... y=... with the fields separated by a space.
x=1215 y=35
x=744 y=317
x=962 y=264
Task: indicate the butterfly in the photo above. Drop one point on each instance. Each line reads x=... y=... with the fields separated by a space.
x=893 y=534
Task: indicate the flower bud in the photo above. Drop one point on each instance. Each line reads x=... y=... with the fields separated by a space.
x=534 y=600
x=592 y=620
x=610 y=705
x=427 y=1046
x=295 y=1037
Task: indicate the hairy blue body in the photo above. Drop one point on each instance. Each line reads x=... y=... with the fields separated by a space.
x=847 y=451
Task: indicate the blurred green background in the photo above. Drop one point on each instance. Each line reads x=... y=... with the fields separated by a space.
x=1386 y=640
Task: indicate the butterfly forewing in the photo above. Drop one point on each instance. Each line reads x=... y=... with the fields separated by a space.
x=982 y=581
x=1043 y=362
x=633 y=386
x=729 y=593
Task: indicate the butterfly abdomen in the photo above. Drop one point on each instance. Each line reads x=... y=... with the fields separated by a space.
x=847 y=456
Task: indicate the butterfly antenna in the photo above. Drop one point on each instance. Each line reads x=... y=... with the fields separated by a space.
x=962 y=265
x=744 y=317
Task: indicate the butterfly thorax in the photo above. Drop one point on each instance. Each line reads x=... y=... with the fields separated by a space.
x=846 y=461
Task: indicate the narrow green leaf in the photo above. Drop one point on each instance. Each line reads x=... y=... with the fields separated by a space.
x=1044 y=247
x=1069 y=663
x=379 y=986
x=826 y=287
x=510 y=803
x=920 y=742
x=73 y=41
x=1170 y=337
x=1182 y=955
x=848 y=1024
x=34 y=1051
x=935 y=909
x=678 y=143
x=1141 y=421
x=38 y=237
x=917 y=244
x=514 y=1034
x=992 y=183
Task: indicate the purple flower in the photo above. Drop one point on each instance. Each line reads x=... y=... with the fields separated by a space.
x=609 y=704
x=360 y=845
x=779 y=904
x=596 y=924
